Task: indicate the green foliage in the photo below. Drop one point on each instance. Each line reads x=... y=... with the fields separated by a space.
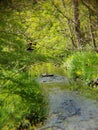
x=83 y=65
x=19 y=97
x=20 y=94
x=22 y=22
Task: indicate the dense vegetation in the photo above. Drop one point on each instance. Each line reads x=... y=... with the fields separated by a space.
x=61 y=31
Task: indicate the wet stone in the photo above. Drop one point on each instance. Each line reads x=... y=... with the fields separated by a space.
x=51 y=78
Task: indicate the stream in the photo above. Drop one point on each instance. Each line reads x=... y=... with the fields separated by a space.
x=67 y=109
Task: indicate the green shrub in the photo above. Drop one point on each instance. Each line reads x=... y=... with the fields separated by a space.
x=83 y=65
x=21 y=96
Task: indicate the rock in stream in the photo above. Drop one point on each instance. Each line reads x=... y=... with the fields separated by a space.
x=49 y=78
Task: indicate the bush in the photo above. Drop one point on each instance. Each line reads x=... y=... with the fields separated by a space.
x=21 y=96
x=83 y=65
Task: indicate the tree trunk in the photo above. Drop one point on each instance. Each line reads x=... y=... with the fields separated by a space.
x=77 y=23
x=71 y=35
x=91 y=27
x=97 y=11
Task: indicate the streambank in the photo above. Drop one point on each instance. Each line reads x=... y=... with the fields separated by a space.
x=67 y=109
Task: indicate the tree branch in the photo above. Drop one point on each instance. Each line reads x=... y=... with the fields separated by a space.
x=65 y=16
x=89 y=7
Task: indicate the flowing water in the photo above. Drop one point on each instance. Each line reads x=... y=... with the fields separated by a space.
x=67 y=109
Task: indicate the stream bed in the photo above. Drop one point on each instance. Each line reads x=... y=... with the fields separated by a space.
x=67 y=109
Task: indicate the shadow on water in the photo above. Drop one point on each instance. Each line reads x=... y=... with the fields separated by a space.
x=68 y=110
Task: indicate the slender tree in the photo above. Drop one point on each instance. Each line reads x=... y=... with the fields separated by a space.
x=69 y=21
x=92 y=7
x=77 y=23
x=91 y=27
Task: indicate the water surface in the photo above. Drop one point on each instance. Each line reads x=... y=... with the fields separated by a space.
x=67 y=109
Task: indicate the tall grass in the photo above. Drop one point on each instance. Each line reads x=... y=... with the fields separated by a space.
x=83 y=65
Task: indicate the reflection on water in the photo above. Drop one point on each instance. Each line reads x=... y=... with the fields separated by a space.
x=67 y=109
